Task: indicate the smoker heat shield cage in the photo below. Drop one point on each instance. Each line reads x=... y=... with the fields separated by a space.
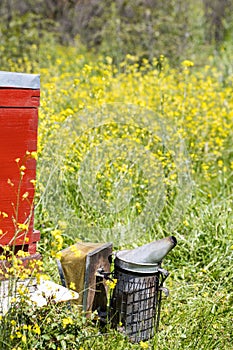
x=136 y=300
x=81 y=264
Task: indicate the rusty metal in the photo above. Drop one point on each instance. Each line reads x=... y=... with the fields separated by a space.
x=84 y=272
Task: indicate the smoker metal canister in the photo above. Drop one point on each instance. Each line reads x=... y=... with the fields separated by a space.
x=136 y=299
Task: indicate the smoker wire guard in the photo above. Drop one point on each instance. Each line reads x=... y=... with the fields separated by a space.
x=133 y=273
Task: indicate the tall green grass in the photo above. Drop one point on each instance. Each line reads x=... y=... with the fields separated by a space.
x=183 y=118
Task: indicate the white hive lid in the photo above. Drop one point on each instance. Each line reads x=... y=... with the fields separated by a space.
x=19 y=80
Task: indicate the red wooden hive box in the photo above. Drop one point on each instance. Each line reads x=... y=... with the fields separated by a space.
x=19 y=102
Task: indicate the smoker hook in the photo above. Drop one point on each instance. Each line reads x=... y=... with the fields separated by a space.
x=101 y=273
x=165 y=290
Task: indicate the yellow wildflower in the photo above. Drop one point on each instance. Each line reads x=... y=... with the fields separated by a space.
x=66 y=321
x=111 y=283
x=72 y=285
x=25 y=195
x=22 y=227
x=144 y=345
x=76 y=251
x=187 y=63
x=34 y=155
x=24 y=338
x=36 y=329
x=33 y=182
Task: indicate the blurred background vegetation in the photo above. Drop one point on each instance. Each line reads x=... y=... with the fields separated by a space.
x=177 y=29
x=38 y=35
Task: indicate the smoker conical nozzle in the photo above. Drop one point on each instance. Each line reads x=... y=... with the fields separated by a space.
x=152 y=252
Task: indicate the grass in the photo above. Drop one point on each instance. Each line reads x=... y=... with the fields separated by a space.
x=130 y=155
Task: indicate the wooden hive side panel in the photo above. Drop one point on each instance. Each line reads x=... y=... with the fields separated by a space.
x=18 y=138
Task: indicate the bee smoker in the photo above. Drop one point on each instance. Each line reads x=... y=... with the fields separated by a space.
x=136 y=299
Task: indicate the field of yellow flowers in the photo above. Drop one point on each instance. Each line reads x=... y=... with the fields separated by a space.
x=129 y=154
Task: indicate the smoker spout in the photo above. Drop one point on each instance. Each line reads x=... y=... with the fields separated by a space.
x=174 y=240
x=151 y=253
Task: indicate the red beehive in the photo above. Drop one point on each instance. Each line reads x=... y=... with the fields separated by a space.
x=19 y=102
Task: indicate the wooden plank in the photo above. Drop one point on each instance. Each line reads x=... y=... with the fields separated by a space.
x=24 y=191
x=17 y=116
x=21 y=239
x=4 y=264
x=14 y=97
